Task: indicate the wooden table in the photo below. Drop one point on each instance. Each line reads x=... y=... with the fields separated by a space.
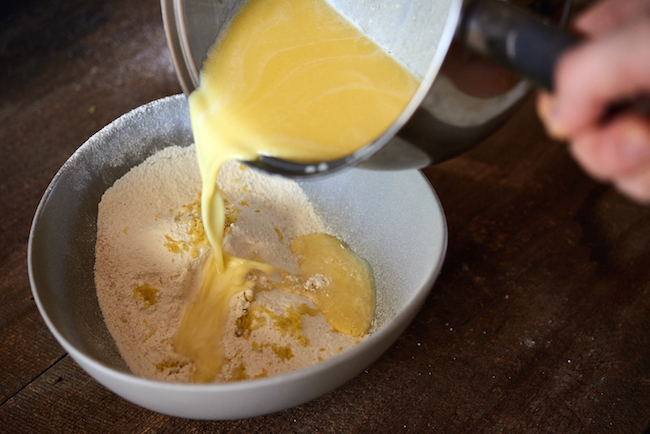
x=539 y=321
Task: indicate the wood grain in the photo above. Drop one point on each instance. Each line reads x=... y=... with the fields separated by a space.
x=538 y=323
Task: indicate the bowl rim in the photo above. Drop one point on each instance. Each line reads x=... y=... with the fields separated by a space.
x=374 y=340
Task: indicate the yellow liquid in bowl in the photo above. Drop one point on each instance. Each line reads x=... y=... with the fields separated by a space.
x=294 y=80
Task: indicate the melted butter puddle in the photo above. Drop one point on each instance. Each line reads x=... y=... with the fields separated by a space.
x=294 y=80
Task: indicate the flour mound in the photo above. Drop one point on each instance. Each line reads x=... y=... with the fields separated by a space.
x=149 y=261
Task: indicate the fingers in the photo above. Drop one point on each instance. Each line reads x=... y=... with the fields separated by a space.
x=618 y=149
x=618 y=152
x=609 y=15
x=594 y=76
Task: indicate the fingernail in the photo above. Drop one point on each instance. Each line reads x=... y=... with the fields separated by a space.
x=555 y=127
x=547 y=110
x=544 y=106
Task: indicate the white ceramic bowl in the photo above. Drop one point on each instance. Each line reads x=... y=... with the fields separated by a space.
x=393 y=219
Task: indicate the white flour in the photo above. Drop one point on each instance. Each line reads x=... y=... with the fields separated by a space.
x=145 y=272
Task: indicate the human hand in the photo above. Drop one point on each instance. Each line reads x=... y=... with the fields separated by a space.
x=613 y=65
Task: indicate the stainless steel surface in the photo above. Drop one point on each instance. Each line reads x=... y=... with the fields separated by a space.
x=461 y=100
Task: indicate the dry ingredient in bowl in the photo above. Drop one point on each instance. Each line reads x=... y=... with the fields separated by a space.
x=151 y=251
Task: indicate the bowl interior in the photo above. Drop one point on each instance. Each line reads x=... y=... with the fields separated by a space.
x=64 y=231
x=393 y=219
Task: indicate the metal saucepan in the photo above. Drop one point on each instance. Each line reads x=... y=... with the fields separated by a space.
x=462 y=98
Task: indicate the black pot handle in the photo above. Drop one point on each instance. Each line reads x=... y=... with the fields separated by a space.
x=517 y=39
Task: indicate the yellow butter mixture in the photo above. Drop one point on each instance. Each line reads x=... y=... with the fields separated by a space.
x=290 y=79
